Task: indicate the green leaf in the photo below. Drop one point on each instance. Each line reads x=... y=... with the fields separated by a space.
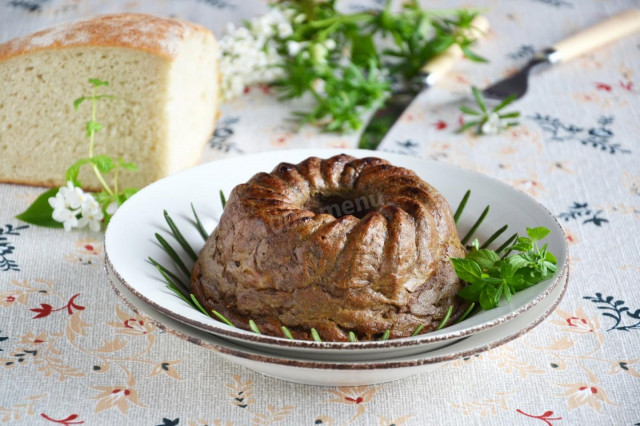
x=549 y=257
x=487 y=298
x=538 y=233
x=479 y=99
x=40 y=211
x=509 y=115
x=506 y=101
x=465 y=126
x=286 y=332
x=96 y=82
x=104 y=163
x=92 y=127
x=127 y=166
x=469 y=111
x=471 y=292
x=223 y=200
x=471 y=55
x=77 y=102
x=128 y=193
x=510 y=265
x=74 y=171
x=506 y=291
x=485 y=258
x=467 y=270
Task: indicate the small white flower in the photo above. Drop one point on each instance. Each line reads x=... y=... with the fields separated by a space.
x=300 y=19
x=493 y=125
x=284 y=30
x=72 y=195
x=330 y=44
x=293 y=47
x=67 y=217
x=91 y=214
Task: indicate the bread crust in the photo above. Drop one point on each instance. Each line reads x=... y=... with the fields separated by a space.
x=157 y=35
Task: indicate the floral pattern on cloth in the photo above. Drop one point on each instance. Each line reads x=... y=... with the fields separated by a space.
x=71 y=353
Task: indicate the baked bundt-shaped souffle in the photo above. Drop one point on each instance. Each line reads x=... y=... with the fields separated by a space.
x=338 y=245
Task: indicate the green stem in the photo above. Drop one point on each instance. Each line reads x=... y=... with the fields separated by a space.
x=94 y=103
x=340 y=19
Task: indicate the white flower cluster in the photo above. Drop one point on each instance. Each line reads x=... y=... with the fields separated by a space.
x=76 y=209
x=248 y=55
x=493 y=125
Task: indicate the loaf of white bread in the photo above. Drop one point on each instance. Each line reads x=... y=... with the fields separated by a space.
x=162 y=74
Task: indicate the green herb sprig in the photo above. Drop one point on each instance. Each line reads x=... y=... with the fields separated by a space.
x=487 y=121
x=111 y=196
x=339 y=64
x=491 y=277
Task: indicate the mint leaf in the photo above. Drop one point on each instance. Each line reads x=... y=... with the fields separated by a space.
x=487 y=298
x=510 y=265
x=40 y=211
x=77 y=102
x=538 y=233
x=96 y=82
x=128 y=193
x=74 y=171
x=93 y=127
x=104 y=163
x=467 y=270
x=127 y=166
x=485 y=258
x=471 y=292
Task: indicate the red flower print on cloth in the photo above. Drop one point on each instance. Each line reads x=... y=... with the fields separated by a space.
x=45 y=309
x=579 y=394
x=132 y=325
x=116 y=396
x=628 y=86
x=576 y=322
x=66 y=421
x=545 y=417
x=440 y=125
x=603 y=86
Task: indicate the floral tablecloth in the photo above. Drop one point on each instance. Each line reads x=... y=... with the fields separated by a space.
x=72 y=353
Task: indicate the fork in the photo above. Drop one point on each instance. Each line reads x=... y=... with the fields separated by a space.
x=607 y=31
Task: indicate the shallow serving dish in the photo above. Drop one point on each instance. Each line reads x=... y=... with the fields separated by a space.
x=324 y=371
x=129 y=241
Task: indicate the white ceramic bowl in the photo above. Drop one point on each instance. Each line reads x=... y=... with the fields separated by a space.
x=129 y=242
x=324 y=371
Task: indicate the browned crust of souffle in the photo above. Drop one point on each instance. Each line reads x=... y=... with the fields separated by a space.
x=353 y=366
x=275 y=261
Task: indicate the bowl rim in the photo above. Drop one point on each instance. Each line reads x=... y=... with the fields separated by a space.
x=268 y=358
x=427 y=338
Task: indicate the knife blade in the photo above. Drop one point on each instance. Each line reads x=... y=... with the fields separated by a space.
x=384 y=118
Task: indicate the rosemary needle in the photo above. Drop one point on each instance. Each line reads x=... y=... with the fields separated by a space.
x=467 y=312
x=254 y=327
x=287 y=333
x=315 y=335
x=445 y=320
x=222 y=318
